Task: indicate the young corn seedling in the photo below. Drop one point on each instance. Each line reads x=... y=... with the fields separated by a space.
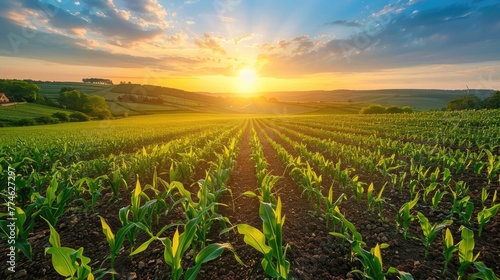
x=331 y=207
x=51 y=207
x=432 y=186
x=94 y=187
x=176 y=248
x=493 y=167
x=467 y=258
x=405 y=217
x=484 y=216
x=69 y=262
x=270 y=241
x=115 y=242
x=117 y=182
x=430 y=231
x=372 y=263
x=22 y=228
x=348 y=233
x=140 y=213
x=438 y=195
x=448 y=248
x=378 y=200
x=358 y=189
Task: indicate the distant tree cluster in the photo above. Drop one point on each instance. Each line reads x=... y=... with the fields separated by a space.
x=17 y=90
x=97 y=81
x=140 y=99
x=379 y=109
x=92 y=105
x=472 y=102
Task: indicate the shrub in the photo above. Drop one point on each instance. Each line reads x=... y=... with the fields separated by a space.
x=393 y=110
x=62 y=117
x=373 y=109
x=78 y=117
x=26 y=122
x=46 y=120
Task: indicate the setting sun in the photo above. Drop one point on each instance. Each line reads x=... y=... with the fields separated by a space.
x=246 y=81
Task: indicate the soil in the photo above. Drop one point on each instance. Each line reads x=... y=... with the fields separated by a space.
x=313 y=253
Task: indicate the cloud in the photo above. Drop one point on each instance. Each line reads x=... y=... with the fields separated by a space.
x=452 y=34
x=345 y=23
x=243 y=38
x=149 y=10
x=65 y=50
x=209 y=42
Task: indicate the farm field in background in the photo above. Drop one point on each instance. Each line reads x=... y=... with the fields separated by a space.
x=234 y=196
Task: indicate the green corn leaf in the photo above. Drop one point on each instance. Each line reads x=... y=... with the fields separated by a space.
x=484 y=273
x=61 y=260
x=54 y=238
x=254 y=238
x=110 y=237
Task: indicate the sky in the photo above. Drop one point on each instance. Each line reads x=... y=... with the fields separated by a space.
x=247 y=46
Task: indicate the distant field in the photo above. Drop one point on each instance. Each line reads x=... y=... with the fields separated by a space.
x=27 y=111
x=51 y=89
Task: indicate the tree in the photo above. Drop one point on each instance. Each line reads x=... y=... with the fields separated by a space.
x=393 y=110
x=493 y=102
x=373 y=109
x=466 y=102
x=18 y=90
x=94 y=105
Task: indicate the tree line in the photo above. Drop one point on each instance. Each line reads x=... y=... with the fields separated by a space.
x=471 y=102
x=97 y=81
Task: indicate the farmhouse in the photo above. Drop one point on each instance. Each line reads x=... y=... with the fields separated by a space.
x=4 y=98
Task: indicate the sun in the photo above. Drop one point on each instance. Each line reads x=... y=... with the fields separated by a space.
x=246 y=81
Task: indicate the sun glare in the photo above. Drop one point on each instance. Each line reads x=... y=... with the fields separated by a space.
x=246 y=82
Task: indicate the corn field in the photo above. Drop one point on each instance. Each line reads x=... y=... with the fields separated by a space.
x=407 y=196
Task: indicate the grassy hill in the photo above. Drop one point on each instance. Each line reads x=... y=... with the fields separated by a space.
x=420 y=99
x=295 y=102
x=51 y=89
x=9 y=114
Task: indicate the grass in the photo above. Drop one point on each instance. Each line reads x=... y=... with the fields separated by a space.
x=95 y=129
x=51 y=89
x=27 y=111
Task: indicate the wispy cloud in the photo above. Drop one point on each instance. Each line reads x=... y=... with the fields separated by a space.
x=345 y=23
x=211 y=43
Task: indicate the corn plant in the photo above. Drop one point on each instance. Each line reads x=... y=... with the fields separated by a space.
x=95 y=188
x=69 y=262
x=22 y=228
x=270 y=241
x=432 y=186
x=348 y=233
x=176 y=248
x=331 y=207
x=438 y=195
x=404 y=217
x=266 y=185
x=115 y=242
x=486 y=215
x=372 y=263
x=493 y=167
x=51 y=207
x=140 y=213
x=466 y=257
x=378 y=200
x=117 y=182
x=448 y=248
x=430 y=231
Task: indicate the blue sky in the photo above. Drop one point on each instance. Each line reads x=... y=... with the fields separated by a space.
x=318 y=44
